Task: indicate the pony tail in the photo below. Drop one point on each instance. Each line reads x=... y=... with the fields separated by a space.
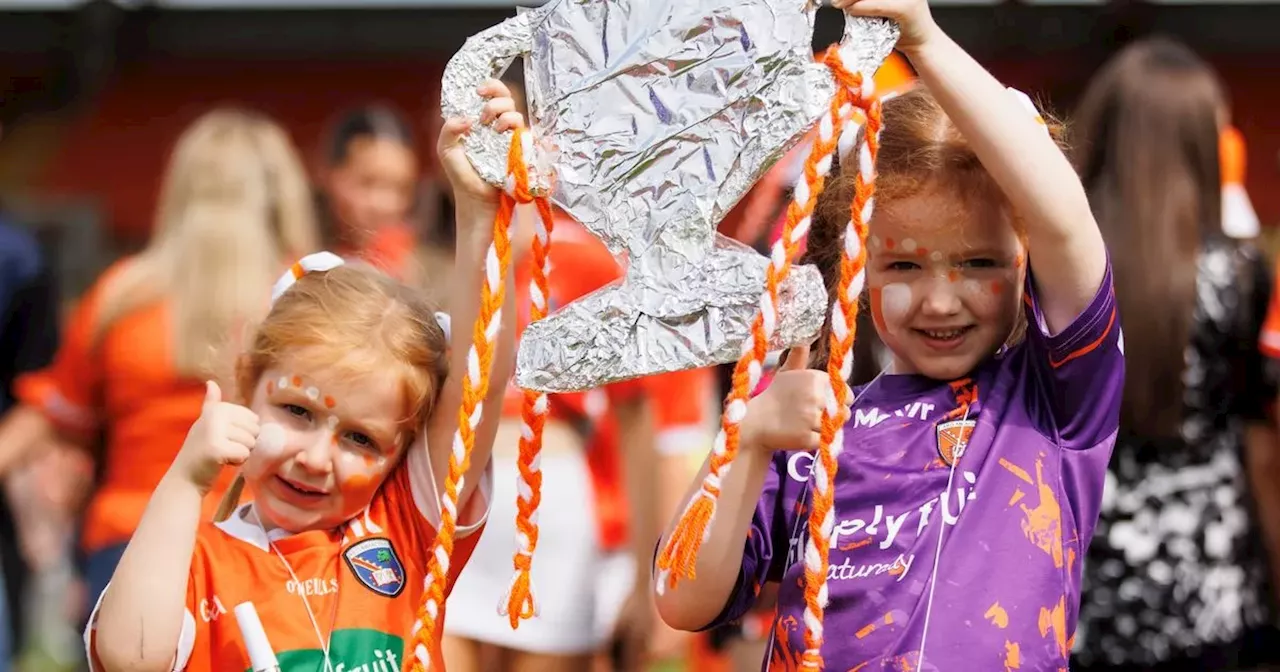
x=230 y=500
x=520 y=602
x=425 y=640
x=679 y=556
x=843 y=321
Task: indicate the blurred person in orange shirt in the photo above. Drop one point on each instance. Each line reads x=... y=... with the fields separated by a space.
x=607 y=455
x=234 y=211
x=368 y=183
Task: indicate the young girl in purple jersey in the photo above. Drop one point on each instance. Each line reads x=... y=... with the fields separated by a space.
x=988 y=280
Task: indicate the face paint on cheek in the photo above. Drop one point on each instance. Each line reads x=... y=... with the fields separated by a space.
x=271 y=440
x=895 y=302
x=908 y=245
x=877 y=309
x=364 y=478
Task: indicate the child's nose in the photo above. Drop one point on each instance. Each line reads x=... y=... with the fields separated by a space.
x=317 y=456
x=940 y=298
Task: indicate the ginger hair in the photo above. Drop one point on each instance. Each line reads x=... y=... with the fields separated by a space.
x=352 y=319
x=920 y=148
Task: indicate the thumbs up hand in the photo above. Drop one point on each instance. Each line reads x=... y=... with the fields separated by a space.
x=224 y=435
x=788 y=414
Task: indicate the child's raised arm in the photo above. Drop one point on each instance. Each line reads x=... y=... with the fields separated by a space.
x=476 y=207
x=141 y=613
x=1066 y=251
x=786 y=416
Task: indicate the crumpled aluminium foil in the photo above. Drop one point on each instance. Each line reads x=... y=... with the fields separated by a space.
x=652 y=118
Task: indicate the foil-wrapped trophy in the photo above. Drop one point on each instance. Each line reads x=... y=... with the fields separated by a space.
x=651 y=119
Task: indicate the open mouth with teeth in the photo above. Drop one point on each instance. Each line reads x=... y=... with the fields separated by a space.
x=944 y=336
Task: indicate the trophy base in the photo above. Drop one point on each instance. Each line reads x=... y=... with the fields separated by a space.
x=642 y=326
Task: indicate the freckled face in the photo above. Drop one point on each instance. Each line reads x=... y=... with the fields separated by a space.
x=325 y=445
x=945 y=282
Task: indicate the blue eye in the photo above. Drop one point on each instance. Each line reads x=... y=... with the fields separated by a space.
x=980 y=263
x=296 y=411
x=903 y=266
x=360 y=439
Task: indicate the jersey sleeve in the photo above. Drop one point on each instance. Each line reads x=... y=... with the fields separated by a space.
x=68 y=391
x=766 y=549
x=1081 y=368
x=681 y=401
x=410 y=506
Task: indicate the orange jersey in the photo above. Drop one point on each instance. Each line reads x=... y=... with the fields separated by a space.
x=363 y=581
x=581 y=264
x=123 y=386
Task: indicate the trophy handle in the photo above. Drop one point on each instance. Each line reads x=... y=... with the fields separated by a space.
x=867 y=42
x=486 y=55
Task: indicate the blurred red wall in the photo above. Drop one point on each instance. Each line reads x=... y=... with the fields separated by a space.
x=117 y=151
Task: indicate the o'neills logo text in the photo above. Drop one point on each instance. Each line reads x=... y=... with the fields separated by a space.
x=310 y=587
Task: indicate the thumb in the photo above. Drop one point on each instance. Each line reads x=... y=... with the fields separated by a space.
x=797 y=359
x=212 y=393
x=451 y=134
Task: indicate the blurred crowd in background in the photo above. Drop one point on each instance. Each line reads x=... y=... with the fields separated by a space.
x=141 y=214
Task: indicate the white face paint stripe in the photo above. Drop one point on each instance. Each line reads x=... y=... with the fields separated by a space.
x=895 y=301
x=270 y=438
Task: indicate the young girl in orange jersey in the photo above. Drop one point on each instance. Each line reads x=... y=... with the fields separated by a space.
x=345 y=388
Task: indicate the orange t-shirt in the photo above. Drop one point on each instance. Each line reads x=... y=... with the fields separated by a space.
x=581 y=264
x=363 y=581
x=123 y=386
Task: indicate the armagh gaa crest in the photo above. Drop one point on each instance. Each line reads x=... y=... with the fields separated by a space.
x=953 y=437
x=376 y=565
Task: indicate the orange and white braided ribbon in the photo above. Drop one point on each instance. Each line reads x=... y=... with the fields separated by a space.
x=475 y=389
x=677 y=559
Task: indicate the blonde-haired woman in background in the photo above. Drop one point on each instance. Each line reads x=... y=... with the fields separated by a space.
x=234 y=210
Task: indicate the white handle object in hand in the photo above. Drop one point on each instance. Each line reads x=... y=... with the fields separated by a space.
x=261 y=657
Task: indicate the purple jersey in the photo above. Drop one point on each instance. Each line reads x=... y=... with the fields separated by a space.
x=1015 y=521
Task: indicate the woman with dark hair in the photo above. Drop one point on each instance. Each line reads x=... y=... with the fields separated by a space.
x=368 y=183
x=1177 y=575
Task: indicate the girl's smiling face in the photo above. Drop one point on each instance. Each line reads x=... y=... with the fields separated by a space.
x=945 y=275
x=325 y=445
